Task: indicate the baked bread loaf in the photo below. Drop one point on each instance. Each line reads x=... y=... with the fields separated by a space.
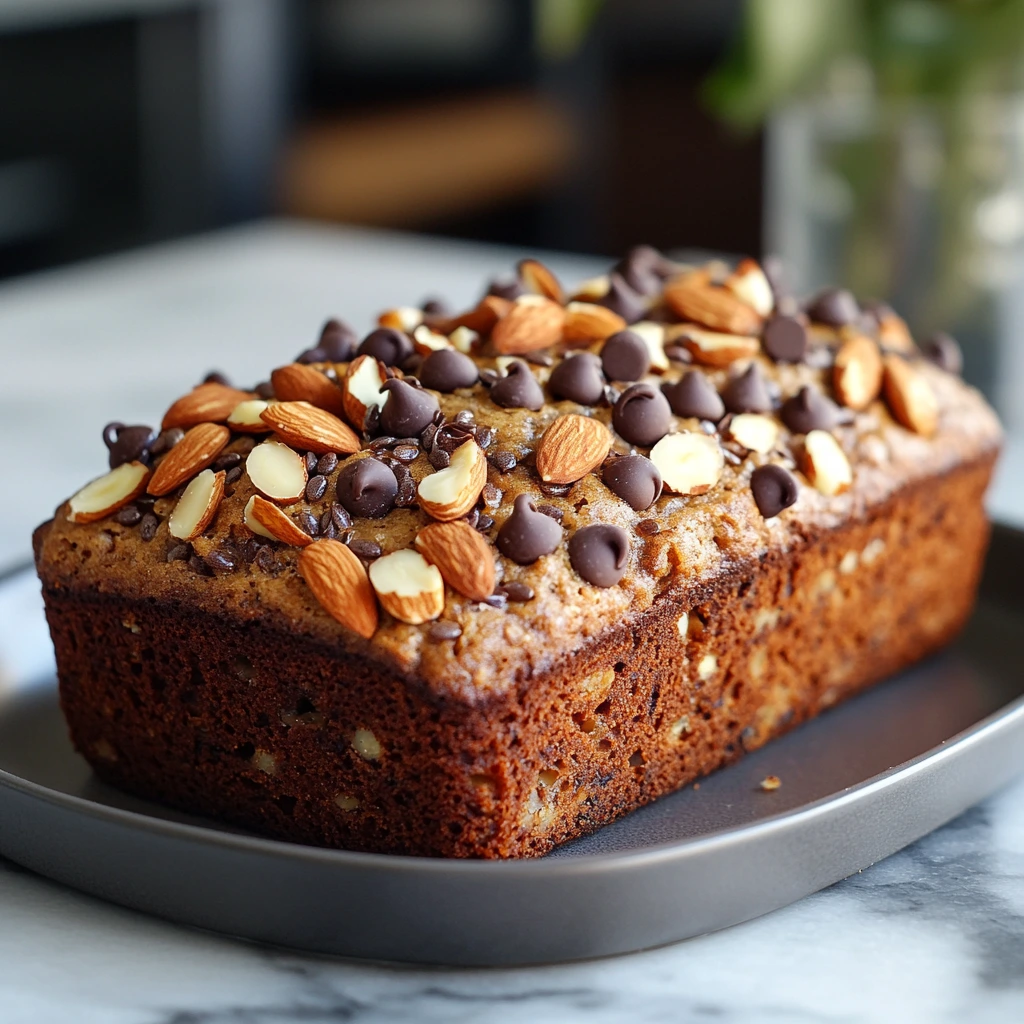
x=477 y=584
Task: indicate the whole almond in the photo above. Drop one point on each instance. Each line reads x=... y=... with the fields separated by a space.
x=207 y=403
x=361 y=388
x=910 y=397
x=894 y=333
x=409 y=587
x=857 y=372
x=586 y=322
x=695 y=298
x=191 y=455
x=197 y=506
x=540 y=280
x=462 y=555
x=267 y=520
x=105 y=495
x=749 y=284
x=339 y=582
x=481 y=318
x=571 y=447
x=404 y=318
x=450 y=493
x=533 y=323
x=713 y=348
x=305 y=426
x=297 y=382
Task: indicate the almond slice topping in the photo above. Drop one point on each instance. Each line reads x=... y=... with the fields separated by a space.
x=339 y=582
x=404 y=318
x=857 y=373
x=108 y=493
x=533 y=323
x=361 y=389
x=712 y=348
x=538 y=279
x=571 y=447
x=592 y=288
x=425 y=341
x=312 y=429
x=481 y=318
x=910 y=397
x=825 y=464
x=197 y=506
x=191 y=455
x=451 y=492
x=409 y=587
x=297 y=382
x=653 y=336
x=756 y=432
x=689 y=463
x=586 y=322
x=245 y=417
x=267 y=520
x=749 y=284
x=207 y=403
x=462 y=555
x=276 y=472
x=695 y=298
x=463 y=339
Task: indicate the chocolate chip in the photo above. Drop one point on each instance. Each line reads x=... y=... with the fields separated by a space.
x=148 y=526
x=516 y=591
x=336 y=344
x=634 y=479
x=451 y=436
x=439 y=458
x=316 y=487
x=483 y=523
x=835 y=307
x=600 y=553
x=220 y=560
x=809 y=410
x=678 y=354
x=179 y=552
x=527 y=533
x=406 y=410
x=447 y=369
x=578 y=379
x=551 y=510
x=216 y=377
x=502 y=461
x=406 y=496
x=648 y=527
x=379 y=444
x=489 y=378
x=441 y=631
x=774 y=489
x=644 y=268
x=435 y=307
x=226 y=461
x=484 y=437
x=406 y=453
x=391 y=347
x=693 y=395
x=166 y=441
x=785 y=339
x=128 y=444
x=747 y=392
x=497 y=600
x=367 y=550
x=624 y=356
x=943 y=350
x=327 y=464
x=310 y=459
x=128 y=516
x=491 y=495
x=308 y=523
x=555 y=490
x=621 y=299
x=233 y=474
x=509 y=289
x=367 y=488
x=265 y=559
x=518 y=389
x=265 y=390
x=642 y=415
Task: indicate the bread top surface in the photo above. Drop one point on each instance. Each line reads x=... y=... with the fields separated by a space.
x=469 y=649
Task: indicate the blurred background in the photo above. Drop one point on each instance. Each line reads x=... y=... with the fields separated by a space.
x=875 y=142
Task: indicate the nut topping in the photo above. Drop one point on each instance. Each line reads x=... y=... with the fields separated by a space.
x=749 y=284
x=695 y=298
x=207 y=403
x=532 y=323
x=245 y=417
x=450 y=493
x=276 y=472
x=857 y=375
x=312 y=429
x=757 y=433
x=300 y=383
x=362 y=389
x=197 y=506
x=689 y=463
x=712 y=348
x=409 y=587
x=586 y=322
x=106 y=494
x=339 y=582
x=537 y=279
x=462 y=555
x=192 y=454
x=571 y=447
x=825 y=464
x=267 y=520
x=910 y=397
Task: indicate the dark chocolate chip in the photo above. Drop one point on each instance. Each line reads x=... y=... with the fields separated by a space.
x=327 y=464
x=503 y=461
x=555 y=490
x=621 y=299
x=509 y=289
x=693 y=395
x=439 y=458
x=316 y=487
x=551 y=510
x=648 y=527
x=336 y=344
x=391 y=347
x=367 y=488
x=809 y=410
x=435 y=307
x=678 y=354
x=834 y=307
x=774 y=489
x=644 y=268
x=489 y=378
x=128 y=516
x=785 y=339
x=527 y=534
x=310 y=459
x=308 y=523
x=497 y=600
x=441 y=631
x=943 y=350
x=539 y=358
x=406 y=453
x=578 y=379
x=128 y=444
x=464 y=418
x=518 y=389
x=451 y=436
x=265 y=559
x=407 y=410
x=747 y=392
x=634 y=479
x=379 y=444
x=447 y=370
x=148 y=526
x=233 y=474
x=600 y=553
x=179 y=553
x=484 y=437
x=265 y=390
x=642 y=415
x=222 y=561
x=516 y=591
x=483 y=523
x=367 y=550
x=491 y=495
x=226 y=461
x=340 y=517
x=624 y=356
x=166 y=441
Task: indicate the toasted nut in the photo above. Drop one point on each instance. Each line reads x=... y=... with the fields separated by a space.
x=482 y=318
x=197 y=506
x=362 y=388
x=538 y=279
x=894 y=333
x=825 y=464
x=245 y=417
x=689 y=463
x=755 y=432
x=857 y=373
x=425 y=340
x=339 y=582
x=712 y=348
x=207 y=403
x=266 y=519
x=463 y=556
x=463 y=339
x=300 y=383
x=586 y=323
x=532 y=323
x=450 y=493
x=695 y=298
x=591 y=289
x=276 y=472
x=409 y=587
x=748 y=283
x=653 y=336
x=571 y=447
x=108 y=493
x=404 y=318
x=192 y=454
x=312 y=429
x=910 y=397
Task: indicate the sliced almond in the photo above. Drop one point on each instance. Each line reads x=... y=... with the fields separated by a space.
x=245 y=417
x=689 y=463
x=404 y=318
x=586 y=322
x=652 y=334
x=451 y=492
x=106 y=494
x=825 y=464
x=276 y=472
x=481 y=318
x=857 y=372
x=757 y=433
x=894 y=333
x=533 y=323
x=207 y=403
x=266 y=519
x=463 y=556
x=361 y=389
x=409 y=587
x=749 y=284
x=571 y=447
x=593 y=288
x=910 y=397
x=463 y=339
x=339 y=582
x=300 y=383
x=191 y=455
x=540 y=280
x=425 y=340
x=695 y=298
x=712 y=348
x=197 y=506
x=312 y=429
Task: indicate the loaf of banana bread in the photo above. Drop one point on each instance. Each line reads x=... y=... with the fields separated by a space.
x=478 y=583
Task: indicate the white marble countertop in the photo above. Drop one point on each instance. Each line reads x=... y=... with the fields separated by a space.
x=934 y=933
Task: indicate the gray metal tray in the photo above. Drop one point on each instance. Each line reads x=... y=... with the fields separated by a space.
x=859 y=783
